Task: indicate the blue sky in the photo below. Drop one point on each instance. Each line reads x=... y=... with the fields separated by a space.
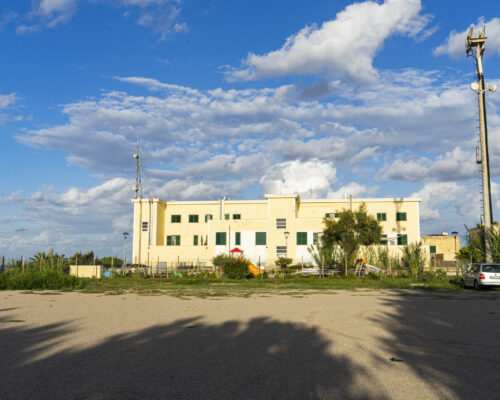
x=235 y=99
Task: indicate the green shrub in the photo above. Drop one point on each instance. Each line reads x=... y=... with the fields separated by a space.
x=237 y=268
x=35 y=278
x=221 y=260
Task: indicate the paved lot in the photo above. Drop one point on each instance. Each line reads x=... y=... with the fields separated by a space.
x=338 y=345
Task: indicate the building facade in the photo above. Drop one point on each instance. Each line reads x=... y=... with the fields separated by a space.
x=442 y=248
x=178 y=233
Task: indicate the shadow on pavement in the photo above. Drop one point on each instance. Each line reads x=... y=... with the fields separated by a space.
x=451 y=340
x=186 y=359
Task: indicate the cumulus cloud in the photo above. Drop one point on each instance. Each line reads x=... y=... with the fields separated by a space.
x=300 y=177
x=344 y=46
x=454 y=45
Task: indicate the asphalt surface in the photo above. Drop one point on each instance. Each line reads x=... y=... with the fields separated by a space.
x=331 y=346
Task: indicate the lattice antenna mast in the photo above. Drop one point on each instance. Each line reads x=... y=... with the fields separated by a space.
x=474 y=47
x=138 y=180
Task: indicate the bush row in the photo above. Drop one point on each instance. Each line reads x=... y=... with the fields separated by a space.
x=39 y=279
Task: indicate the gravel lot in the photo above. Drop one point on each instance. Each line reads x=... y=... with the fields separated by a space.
x=336 y=345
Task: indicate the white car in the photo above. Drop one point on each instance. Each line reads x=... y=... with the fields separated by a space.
x=481 y=275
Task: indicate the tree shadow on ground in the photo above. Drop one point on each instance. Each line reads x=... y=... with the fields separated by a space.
x=450 y=340
x=186 y=359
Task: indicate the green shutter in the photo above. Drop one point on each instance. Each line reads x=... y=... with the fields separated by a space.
x=383 y=240
x=401 y=216
x=226 y=216
x=302 y=238
x=169 y=240
x=402 y=239
x=381 y=217
x=175 y=219
x=236 y=216
x=208 y=217
x=433 y=249
x=237 y=238
x=220 y=238
x=315 y=238
x=193 y=218
x=260 y=238
x=195 y=240
x=178 y=240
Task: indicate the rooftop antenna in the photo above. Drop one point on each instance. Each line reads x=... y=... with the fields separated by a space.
x=474 y=47
x=138 y=181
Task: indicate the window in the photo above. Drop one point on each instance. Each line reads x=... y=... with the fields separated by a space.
x=175 y=219
x=432 y=249
x=220 y=238
x=236 y=216
x=280 y=251
x=332 y=215
x=145 y=226
x=302 y=238
x=381 y=217
x=226 y=216
x=260 y=238
x=280 y=223
x=195 y=240
x=400 y=216
x=315 y=238
x=402 y=239
x=208 y=217
x=383 y=240
x=174 y=240
x=237 y=238
x=193 y=218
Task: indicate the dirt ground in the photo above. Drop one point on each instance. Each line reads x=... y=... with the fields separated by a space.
x=336 y=345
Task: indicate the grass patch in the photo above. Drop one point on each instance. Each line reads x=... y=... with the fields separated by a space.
x=204 y=287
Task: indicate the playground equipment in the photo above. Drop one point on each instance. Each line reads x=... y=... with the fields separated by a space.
x=362 y=268
x=256 y=271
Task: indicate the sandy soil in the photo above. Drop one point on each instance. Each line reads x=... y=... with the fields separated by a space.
x=337 y=345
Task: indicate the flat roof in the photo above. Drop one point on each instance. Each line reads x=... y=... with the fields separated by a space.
x=354 y=200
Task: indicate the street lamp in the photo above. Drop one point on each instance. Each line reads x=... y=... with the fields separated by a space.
x=455 y=233
x=125 y=236
x=286 y=233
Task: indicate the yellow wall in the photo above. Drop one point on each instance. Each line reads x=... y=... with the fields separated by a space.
x=445 y=245
x=256 y=216
x=86 y=271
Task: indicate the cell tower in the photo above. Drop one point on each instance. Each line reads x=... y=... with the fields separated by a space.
x=138 y=181
x=474 y=47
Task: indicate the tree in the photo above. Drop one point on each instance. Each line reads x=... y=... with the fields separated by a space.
x=84 y=259
x=117 y=262
x=474 y=251
x=351 y=230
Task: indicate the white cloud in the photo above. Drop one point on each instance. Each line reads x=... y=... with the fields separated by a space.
x=454 y=45
x=300 y=177
x=48 y=14
x=436 y=193
x=7 y=101
x=357 y=127
x=344 y=46
x=455 y=165
x=161 y=15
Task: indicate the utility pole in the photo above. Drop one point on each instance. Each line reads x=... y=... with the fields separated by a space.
x=138 y=182
x=474 y=46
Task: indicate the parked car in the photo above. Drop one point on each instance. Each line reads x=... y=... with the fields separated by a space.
x=481 y=275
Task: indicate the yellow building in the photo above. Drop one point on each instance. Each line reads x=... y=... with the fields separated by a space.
x=178 y=233
x=442 y=248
